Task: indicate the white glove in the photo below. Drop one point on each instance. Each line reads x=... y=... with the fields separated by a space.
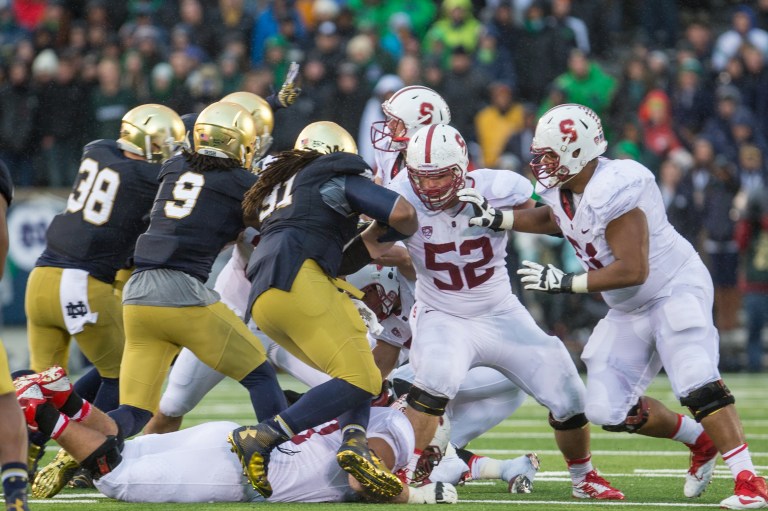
x=433 y=493
x=369 y=317
x=551 y=279
x=485 y=215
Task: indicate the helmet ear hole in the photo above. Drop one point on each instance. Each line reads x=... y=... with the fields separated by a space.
x=576 y=153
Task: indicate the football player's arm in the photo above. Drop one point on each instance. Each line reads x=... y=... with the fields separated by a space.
x=537 y=220
x=627 y=236
x=398 y=257
x=385 y=356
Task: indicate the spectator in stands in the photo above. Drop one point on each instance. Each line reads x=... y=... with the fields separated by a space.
x=502 y=28
x=563 y=20
x=586 y=83
x=753 y=174
x=635 y=82
x=752 y=238
x=328 y=45
x=347 y=100
x=465 y=91
x=680 y=210
x=110 y=101
x=692 y=101
x=517 y=151
x=755 y=88
x=456 y=28
x=497 y=123
x=231 y=17
x=267 y=25
x=743 y=30
x=660 y=21
x=718 y=128
x=409 y=70
x=18 y=108
x=64 y=128
x=535 y=73
x=659 y=136
x=385 y=87
x=698 y=40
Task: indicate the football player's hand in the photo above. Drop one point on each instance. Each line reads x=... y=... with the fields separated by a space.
x=433 y=493
x=545 y=278
x=485 y=214
x=289 y=92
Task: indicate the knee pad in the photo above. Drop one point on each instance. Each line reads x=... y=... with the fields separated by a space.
x=401 y=386
x=104 y=459
x=577 y=421
x=708 y=399
x=637 y=416
x=424 y=402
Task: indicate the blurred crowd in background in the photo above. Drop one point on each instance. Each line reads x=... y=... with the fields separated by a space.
x=681 y=86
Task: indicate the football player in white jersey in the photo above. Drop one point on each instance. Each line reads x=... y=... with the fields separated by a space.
x=197 y=464
x=466 y=315
x=658 y=290
x=406 y=111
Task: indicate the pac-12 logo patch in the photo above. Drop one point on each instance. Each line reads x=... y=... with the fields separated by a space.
x=427 y=231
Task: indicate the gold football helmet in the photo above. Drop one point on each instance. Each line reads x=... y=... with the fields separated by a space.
x=152 y=131
x=262 y=116
x=326 y=137
x=226 y=130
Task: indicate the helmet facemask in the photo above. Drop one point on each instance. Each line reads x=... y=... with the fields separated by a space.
x=436 y=198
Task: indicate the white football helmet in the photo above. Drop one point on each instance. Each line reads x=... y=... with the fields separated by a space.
x=407 y=110
x=437 y=153
x=567 y=138
x=381 y=288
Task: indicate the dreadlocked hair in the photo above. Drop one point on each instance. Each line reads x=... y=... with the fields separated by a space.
x=204 y=163
x=285 y=165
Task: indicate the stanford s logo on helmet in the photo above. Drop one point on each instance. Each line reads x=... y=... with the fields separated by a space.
x=411 y=107
x=437 y=163
x=567 y=138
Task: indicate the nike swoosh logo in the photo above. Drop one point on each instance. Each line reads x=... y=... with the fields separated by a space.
x=748 y=501
x=584 y=231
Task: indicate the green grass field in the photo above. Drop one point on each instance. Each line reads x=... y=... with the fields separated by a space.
x=649 y=471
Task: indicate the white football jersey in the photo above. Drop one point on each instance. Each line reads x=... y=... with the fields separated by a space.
x=617 y=187
x=389 y=165
x=460 y=268
x=313 y=475
x=197 y=465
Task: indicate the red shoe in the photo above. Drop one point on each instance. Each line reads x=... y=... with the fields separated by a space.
x=703 y=459
x=30 y=396
x=750 y=493
x=595 y=487
x=55 y=385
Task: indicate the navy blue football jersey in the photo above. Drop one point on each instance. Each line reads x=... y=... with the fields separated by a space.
x=194 y=216
x=297 y=224
x=6 y=183
x=106 y=211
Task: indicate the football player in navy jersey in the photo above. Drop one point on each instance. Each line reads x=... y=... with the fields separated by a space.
x=166 y=305
x=71 y=291
x=13 y=430
x=306 y=204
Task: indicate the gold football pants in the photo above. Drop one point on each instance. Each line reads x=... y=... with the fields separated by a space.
x=319 y=325
x=101 y=342
x=6 y=383
x=154 y=335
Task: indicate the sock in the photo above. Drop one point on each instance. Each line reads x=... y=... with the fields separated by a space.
x=47 y=417
x=130 y=420
x=108 y=396
x=60 y=426
x=84 y=412
x=88 y=385
x=73 y=405
x=579 y=468
x=483 y=467
x=325 y=402
x=738 y=460
x=14 y=476
x=267 y=397
x=687 y=431
x=356 y=419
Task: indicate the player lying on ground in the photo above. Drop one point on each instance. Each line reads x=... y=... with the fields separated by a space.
x=196 y=464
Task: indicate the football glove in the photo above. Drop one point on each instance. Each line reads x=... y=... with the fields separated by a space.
x=289 y=92
x=433 y=493
x=485 y=214
x=551 y=279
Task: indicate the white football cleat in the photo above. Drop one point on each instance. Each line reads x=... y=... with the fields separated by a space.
x=520 y=472
x=595 y=487
x=703 y=460
x=750 y=493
